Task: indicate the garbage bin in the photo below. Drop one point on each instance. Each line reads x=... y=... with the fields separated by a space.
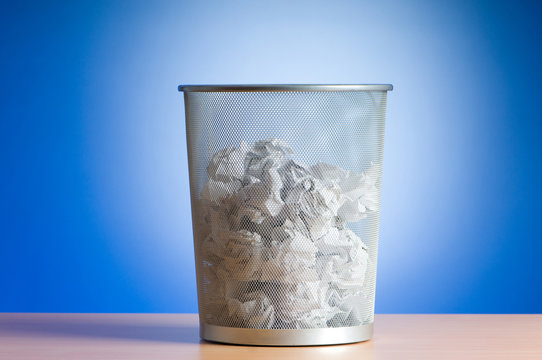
x=285 y=190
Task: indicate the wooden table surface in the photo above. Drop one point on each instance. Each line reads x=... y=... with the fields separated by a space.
x=175 y=336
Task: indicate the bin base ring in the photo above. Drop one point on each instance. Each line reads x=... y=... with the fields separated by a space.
x=286 y=337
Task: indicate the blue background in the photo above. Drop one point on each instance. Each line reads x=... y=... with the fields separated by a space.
x=94 y=188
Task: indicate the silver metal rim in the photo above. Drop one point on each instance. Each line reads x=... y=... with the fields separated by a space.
x=286 y=337
x=285 y=87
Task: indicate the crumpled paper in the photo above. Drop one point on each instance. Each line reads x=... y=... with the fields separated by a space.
x=254 y=309
x=273 y=239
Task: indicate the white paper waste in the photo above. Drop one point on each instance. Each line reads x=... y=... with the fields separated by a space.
x=274 y=242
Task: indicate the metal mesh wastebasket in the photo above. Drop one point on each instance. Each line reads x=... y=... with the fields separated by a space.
x=285 y=188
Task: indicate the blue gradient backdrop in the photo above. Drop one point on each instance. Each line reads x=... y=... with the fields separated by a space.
x=94 y=194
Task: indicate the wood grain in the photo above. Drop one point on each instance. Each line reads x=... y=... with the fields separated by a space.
x=175 y=336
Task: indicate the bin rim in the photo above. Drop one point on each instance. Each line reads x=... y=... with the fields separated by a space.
x=285 y=87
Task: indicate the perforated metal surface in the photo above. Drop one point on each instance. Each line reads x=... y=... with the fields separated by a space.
x=263 y=258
